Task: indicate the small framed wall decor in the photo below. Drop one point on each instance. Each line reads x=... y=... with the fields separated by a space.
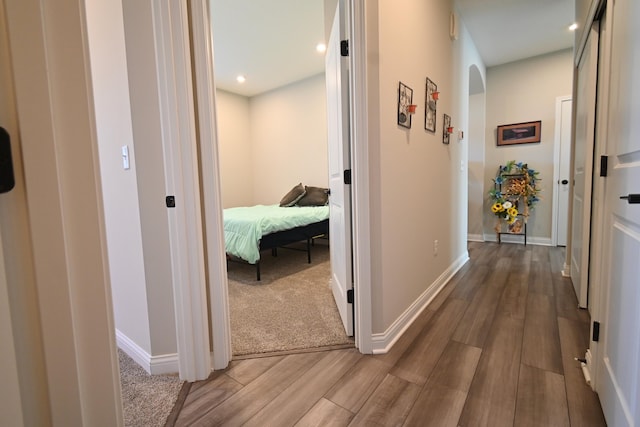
x=405 y=100
x=519 y=133
x=446 y=128
x=430 y=105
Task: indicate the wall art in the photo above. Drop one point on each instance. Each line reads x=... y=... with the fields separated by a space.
x=447 y=130
x=405 y=100
x=519 y=133
x=431 y=101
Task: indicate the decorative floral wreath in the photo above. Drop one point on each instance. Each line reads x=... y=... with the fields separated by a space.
x=515 y=193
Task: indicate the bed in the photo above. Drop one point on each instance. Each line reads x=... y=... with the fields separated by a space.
x=250 y=230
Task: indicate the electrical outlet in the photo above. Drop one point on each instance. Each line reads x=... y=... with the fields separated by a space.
x=435 y=247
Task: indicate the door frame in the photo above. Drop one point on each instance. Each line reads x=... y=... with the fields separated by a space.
x=179 y=140
x=597 y=303
x=184 y=172
x=555 y=213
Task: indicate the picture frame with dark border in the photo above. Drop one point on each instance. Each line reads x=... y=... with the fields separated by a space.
x=519 y=133
x=405 y=98
x=446 y=123
x=430 y=106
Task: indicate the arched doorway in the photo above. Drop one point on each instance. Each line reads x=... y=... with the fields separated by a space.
x=476 y=139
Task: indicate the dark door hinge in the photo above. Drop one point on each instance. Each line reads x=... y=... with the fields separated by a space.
x=171 y=201
x=347 y=176
x=604 y=165
x=350 y=296
x=344 y=47
x=596 y=332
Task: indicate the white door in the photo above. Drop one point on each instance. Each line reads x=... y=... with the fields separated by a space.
x=585 y=105
x=564 y=175
x=618 y=382
x=340 y=198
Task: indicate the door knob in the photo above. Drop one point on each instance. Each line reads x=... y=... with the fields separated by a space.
x=631 y=198
x=565 y=181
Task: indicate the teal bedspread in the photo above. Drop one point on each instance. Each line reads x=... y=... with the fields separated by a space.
x=245 y=226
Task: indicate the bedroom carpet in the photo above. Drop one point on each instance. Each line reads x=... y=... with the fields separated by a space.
x=290 y=309
x=147 y=400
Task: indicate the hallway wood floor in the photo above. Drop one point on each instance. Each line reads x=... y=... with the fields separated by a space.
x=496 y=347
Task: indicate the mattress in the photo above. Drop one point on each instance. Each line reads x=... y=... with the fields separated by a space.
x=245 y=226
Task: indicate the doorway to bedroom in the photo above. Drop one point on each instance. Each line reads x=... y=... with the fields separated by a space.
x=272 y=130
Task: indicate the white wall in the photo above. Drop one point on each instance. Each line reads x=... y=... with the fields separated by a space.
x=289 y=139
x=119 y=186
x=270 y=142
x=418 y=190
x=476 y=145
x=234 y=145
x=148 y=166
x=518 y=92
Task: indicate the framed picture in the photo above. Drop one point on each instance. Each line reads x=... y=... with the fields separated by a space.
x=519 y=133
x=430 y=105
x=405 y=99
x=446 y=124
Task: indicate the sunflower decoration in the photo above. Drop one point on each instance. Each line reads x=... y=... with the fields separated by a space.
x=515 y=193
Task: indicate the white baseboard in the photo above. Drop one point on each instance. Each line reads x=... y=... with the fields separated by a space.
x=531 y=240
x=475 y=238
x=382 y=343
x=154 y=365
x=566 y=270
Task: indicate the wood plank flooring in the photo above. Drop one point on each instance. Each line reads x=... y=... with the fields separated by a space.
x=495 y=348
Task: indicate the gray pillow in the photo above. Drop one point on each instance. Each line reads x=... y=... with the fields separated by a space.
x=316 y=196
x=292 y=197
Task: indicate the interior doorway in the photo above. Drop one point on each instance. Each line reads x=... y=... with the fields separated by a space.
x=476 y=138
x=259 y=145
x=564 y=108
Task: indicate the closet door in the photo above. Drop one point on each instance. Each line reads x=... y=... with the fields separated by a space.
x=583 y=167
x=618 y=384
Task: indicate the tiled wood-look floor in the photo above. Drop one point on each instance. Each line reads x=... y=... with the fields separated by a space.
x=495 y=348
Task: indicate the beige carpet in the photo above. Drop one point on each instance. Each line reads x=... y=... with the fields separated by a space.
x=291 y=308
x=147 y=400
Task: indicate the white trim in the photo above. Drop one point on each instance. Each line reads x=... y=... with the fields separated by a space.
x=566 y=270
x=475 y=238
x=182 y=180
x=584 y=35
x=556 y=169
x=154 y=365
x=360 y=166
x=383 y=342
x=11 y=397
x=531 y=240
x=598 y=301
x=211 y=197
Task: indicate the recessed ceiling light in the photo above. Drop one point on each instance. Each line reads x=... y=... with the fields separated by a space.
x=321 y=47
x=241 y=79
x=573 y=26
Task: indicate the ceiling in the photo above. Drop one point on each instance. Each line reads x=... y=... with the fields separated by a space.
x=510 y=30
x=272 y=42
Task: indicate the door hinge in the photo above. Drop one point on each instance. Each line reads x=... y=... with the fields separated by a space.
x=604 y=165
x=171 y=201
x=344 y=47
x=596 y=332
x=347 y=176
x=350 y=296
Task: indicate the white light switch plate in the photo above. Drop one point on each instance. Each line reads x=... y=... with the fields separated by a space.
x=125 y=157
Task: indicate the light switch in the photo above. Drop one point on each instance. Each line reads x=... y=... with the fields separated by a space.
x=125 y=157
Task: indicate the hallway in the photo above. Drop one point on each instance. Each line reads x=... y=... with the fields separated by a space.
x=496 y=347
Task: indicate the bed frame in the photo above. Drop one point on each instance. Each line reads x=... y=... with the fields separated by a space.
x=280 y=239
